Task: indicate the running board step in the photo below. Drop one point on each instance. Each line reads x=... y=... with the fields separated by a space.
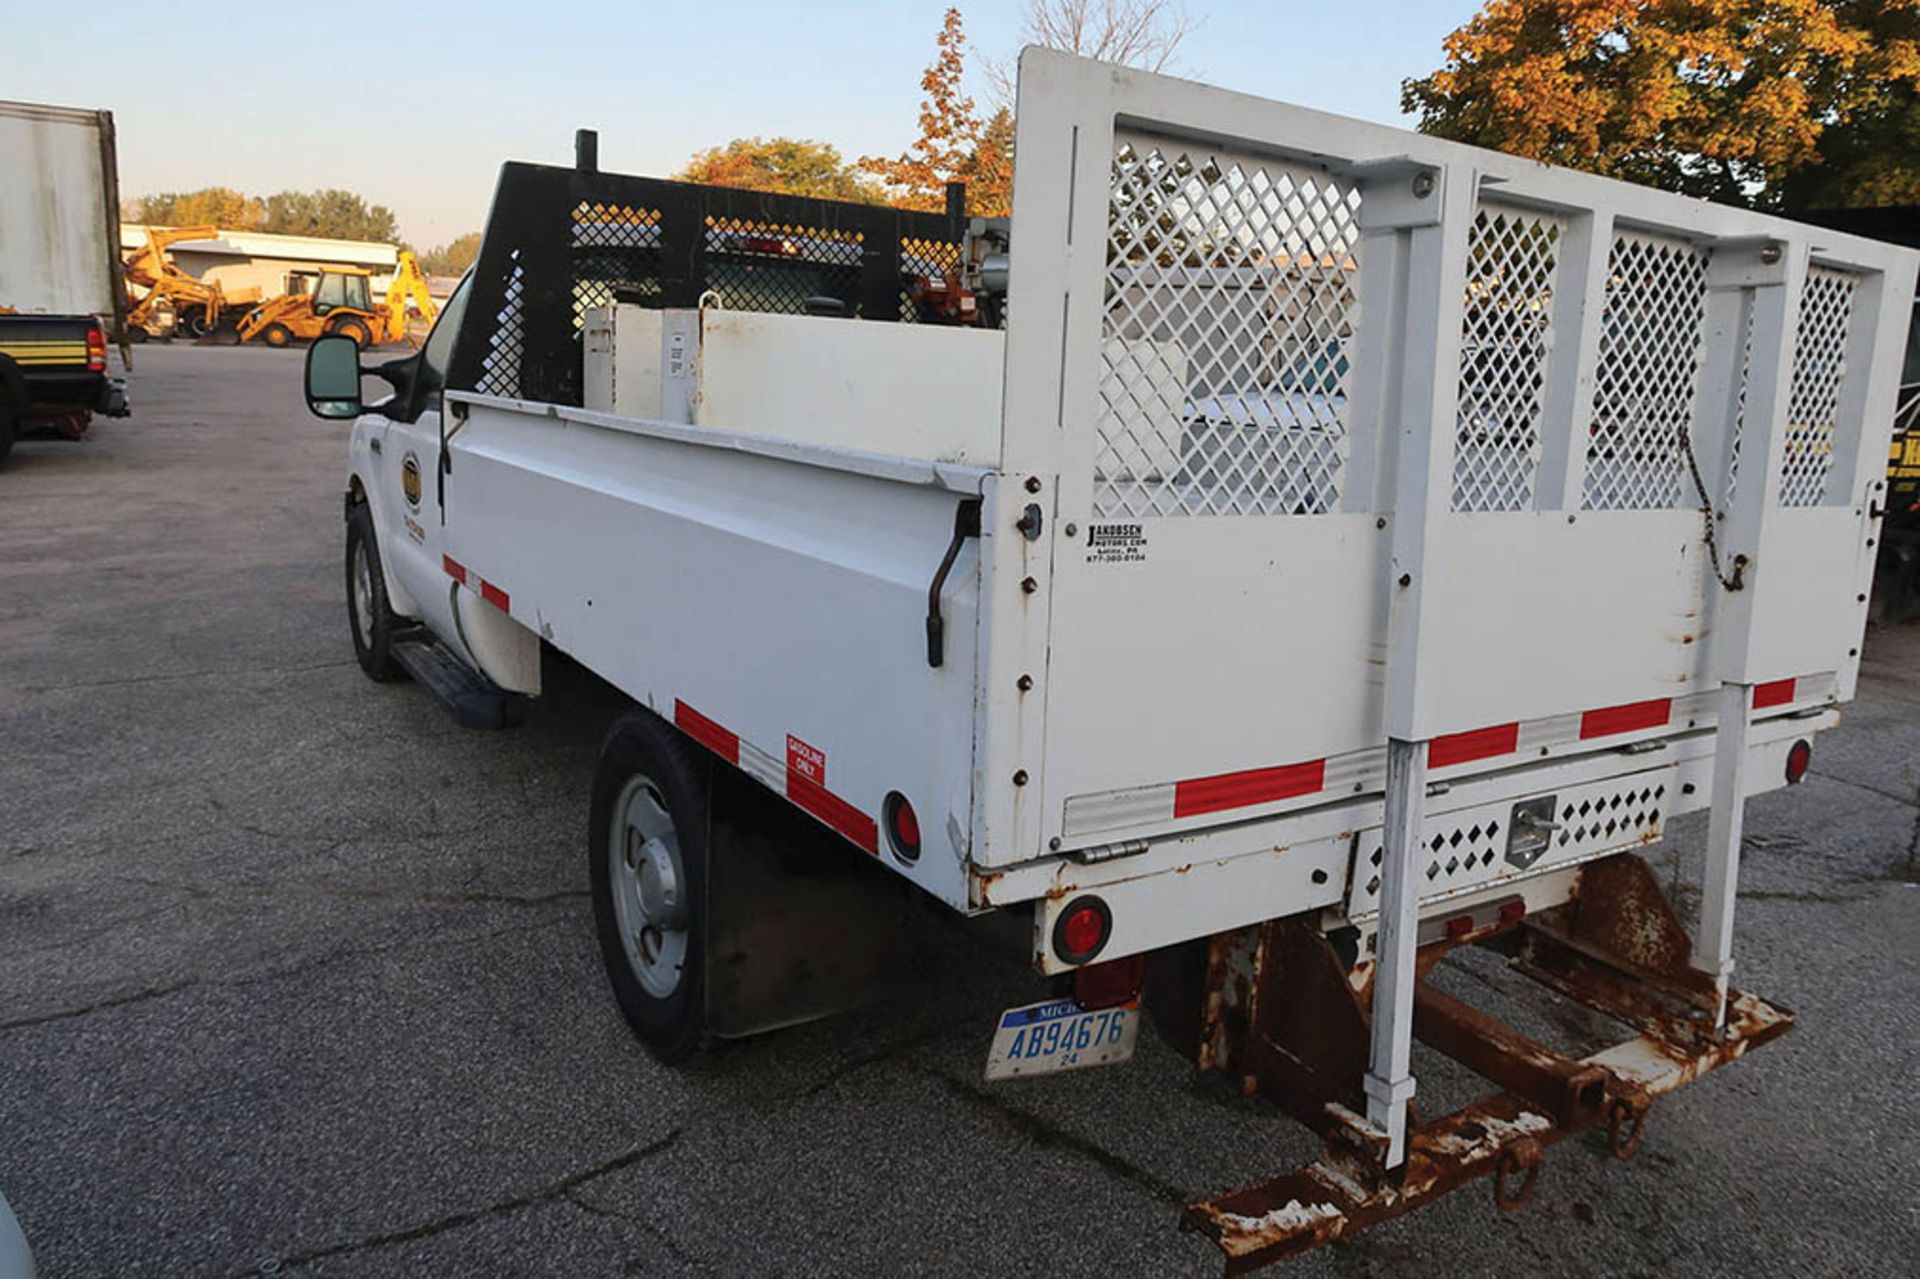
x=471 y=698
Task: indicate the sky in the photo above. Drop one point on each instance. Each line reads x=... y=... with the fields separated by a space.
x=416 y=105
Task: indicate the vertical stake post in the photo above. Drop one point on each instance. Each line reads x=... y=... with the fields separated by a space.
x=1713 y=944
x=1389 y=1082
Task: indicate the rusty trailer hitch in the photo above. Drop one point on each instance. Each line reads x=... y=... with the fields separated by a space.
x=1281 y=1015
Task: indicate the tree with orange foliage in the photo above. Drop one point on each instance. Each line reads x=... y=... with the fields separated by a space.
x=947 y=149
x=1741 y=101
x=785 y=166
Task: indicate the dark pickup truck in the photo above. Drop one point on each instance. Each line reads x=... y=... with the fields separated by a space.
x=53 y=375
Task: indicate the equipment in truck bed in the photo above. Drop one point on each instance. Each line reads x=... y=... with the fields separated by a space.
x=1341 y=547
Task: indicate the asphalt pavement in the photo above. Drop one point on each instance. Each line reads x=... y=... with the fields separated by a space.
x=296 y=976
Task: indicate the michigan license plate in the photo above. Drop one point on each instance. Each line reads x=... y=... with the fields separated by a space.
x=1056 y=1035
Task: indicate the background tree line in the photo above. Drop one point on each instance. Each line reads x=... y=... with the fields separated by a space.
x=1777 y=104
x=1774 y=104
x=330 y=213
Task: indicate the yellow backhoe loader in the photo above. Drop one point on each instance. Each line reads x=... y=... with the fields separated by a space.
x=342 y=302
x=195 y=305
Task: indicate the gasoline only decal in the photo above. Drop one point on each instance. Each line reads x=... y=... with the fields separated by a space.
x=1116 y=544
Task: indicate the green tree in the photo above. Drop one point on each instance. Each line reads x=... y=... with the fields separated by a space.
x=1764 y=102
x=785 y=166
x=223 y=207
x=330 y=213
x=453 y=258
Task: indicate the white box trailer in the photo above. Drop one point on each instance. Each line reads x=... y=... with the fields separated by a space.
x=1352 y=546
x=60 y=213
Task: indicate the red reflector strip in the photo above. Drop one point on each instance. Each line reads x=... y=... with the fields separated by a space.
x=834 y=811
x=703 y=730
x=1777 y=693
x=1626 y=719
x=455 y=569
x=1479 y=743
x=494 y=596
x=1255 y=786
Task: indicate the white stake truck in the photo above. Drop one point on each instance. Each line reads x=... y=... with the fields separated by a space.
x=1336 y=547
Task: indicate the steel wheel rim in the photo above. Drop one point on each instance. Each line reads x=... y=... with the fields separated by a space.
x=648 y=881
x=362 y=595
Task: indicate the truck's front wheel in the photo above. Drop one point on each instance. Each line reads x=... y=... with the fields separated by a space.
x=647 y=862
x=368 y=611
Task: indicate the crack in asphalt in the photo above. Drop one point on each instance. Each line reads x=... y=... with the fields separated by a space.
x=112 y=1001
x=396 y=896
x=1910 y=801
x=1049 y=1135
x=254 y=978
x=553 y=1192
x=180 y=675
x=684 y=1259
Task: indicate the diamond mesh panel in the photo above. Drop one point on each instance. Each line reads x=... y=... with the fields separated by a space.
x=1813 y=401
x=616 y=252
x=1511 y=258
x=1649 y=364
x=500 y=369
x=1466 y=852
x=772 y=266
x=934 y=259
x=1230 y=306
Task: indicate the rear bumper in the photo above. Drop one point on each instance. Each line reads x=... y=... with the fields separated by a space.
x=66 y=394
x=1195 y=884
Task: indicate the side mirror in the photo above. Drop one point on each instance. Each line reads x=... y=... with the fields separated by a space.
x=333 y=377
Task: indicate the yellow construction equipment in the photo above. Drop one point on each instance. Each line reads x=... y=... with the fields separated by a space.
x=342 y=302
x=195 y=305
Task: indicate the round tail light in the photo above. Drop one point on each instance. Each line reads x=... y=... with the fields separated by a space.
x=903 y=827
x=1082 y=930
x=1799 y=757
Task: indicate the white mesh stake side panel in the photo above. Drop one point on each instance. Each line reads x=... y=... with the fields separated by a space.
x=1819 y=367
x=1505 y=336
x=1229 y=310
x=1648 y=375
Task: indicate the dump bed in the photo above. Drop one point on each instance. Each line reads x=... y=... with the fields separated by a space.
x=1312 y=437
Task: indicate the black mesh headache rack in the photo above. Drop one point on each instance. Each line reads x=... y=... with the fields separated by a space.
x=561 y=241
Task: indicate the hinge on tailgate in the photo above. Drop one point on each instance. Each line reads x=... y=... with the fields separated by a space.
x=1107 y=852
x=966 y=524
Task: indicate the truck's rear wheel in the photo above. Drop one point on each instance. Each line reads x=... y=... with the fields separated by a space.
x=368 y=611
x=647 y=863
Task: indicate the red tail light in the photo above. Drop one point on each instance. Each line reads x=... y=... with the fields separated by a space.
x=903 y=827
x=1111 y=984
x=1799 y=758
x=1082 y=930
x=96 y=348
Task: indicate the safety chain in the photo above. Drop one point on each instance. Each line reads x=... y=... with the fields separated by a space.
x=1736 y=582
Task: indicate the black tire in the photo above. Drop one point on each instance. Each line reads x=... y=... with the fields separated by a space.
x=194 y=324
x=7 y=429
x=276 y=334
x=372 y=630
x=642 y=749
x=356 y=329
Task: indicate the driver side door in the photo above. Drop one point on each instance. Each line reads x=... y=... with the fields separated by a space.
x=409 y=474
